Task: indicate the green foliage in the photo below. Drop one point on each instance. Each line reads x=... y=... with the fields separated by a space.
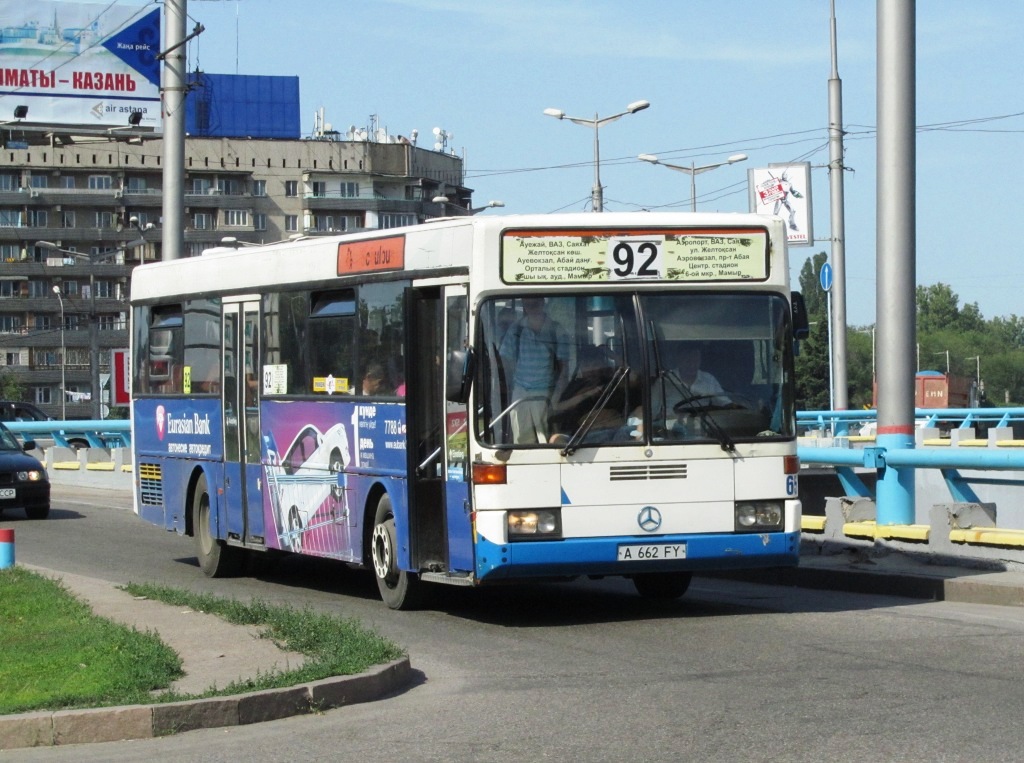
x=11 y=387
x=333 y=646
x=57 y=654
x=944 y=329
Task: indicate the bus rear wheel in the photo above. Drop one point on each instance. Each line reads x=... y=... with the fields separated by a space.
x=398 y=589
x=662 y=585
x=216 y=559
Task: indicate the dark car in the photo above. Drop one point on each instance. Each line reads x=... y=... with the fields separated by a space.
x=13 y=410
x=23 y=480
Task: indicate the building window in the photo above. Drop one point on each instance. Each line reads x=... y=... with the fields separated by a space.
x=291 y=223
x=100 y=182
x=12 y=358
x=67 y=181
x=66 y=218
x=38 y=181
x=10 y=324
x=8 y=182
x=43 y=395
x=10 y=218
x=349 y=190
x=202 y=221
x=259 y=221
x=38 y=218
x=10 y=288
x=193 y=248
x=198 y=186
x=227 y=186
x=104 y=219
x=319 y=189
x=396 y=221
x=236 y=218
x=135 y=185
x=259 y=187
x=38 y=289
x=291 y=187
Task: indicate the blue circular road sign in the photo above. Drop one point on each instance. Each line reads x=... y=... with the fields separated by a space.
x=826 y=276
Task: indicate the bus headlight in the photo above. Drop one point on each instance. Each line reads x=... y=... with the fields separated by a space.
x=758 y=516
x=534 y=524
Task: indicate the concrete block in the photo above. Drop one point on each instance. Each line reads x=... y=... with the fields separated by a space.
x=964 y=516
x=215 y=712
x=97 y=455
x=995 y=434
x=926 y=433
x=960 y=433
x=110 y=724
x=365 y=687
x=273 y=704
x=26 y=730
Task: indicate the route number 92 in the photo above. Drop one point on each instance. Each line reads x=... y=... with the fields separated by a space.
x=636 y=257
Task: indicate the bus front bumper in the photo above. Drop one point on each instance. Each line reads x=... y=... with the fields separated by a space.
x=572 y=557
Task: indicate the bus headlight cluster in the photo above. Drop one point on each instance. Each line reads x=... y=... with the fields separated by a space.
x=534 y=524
x=757 y=516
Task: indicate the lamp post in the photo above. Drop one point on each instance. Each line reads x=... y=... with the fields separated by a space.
x=946 y=353
x=94 y=338
x=63 y=358
x=597 y=193
x=693 y=170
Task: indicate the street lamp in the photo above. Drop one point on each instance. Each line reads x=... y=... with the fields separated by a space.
x=693 y=170
x=597 y=193
x=63 y=358
x=94 y=338
x=946 y=353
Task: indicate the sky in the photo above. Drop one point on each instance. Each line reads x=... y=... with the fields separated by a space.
x=722 y=77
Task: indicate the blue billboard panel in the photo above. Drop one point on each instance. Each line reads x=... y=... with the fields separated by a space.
x=242 y=106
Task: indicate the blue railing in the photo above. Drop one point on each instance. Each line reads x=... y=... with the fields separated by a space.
x=76 y=434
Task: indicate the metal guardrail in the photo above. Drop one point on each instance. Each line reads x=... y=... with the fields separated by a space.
x=75 y=434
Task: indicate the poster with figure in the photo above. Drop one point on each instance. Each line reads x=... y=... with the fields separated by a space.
x=784 y=190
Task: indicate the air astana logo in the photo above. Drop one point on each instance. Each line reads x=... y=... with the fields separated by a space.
x=160 y=422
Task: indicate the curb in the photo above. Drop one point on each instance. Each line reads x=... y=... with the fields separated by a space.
x=114 y=724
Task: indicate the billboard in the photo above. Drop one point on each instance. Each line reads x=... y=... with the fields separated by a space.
x=785 y=190
x=80 y=63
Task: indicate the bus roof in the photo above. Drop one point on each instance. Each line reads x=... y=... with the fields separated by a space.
x=418 y=249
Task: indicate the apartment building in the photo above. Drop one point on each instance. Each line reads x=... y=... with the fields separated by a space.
x=79 y=211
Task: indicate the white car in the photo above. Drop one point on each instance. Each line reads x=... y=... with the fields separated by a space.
x=307 y=483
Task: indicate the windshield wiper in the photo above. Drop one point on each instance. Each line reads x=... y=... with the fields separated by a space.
x=588 y=421
x=702 y=406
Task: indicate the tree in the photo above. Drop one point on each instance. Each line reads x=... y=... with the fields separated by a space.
x=812 y=364
x=11 y=387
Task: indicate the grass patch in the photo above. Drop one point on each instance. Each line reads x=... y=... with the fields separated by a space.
x=333 y=646
x=58 y=655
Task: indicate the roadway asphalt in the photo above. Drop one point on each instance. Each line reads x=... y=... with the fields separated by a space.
x=215 y=653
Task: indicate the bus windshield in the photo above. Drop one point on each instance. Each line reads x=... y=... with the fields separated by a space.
x=588 y=369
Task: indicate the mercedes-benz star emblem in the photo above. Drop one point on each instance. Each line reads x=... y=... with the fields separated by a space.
x=649 y=519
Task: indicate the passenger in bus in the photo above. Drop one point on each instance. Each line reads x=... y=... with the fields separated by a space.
x=535 y=354
x=375 y=380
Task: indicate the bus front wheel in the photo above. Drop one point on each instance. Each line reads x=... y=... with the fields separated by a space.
x=662 y=585
x=216 y=559
x=398 y=589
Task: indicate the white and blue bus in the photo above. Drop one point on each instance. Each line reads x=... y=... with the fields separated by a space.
x=478 y=400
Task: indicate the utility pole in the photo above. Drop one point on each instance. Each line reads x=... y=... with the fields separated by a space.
x=895 y=252
x=836 y=167
x=172 y=93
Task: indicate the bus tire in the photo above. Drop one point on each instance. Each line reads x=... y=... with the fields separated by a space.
x=398 y=589
x=216 y=558
x=662 y=585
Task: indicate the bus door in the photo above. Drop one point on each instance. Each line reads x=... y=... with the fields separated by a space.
x=243 y=496
x=439 y=524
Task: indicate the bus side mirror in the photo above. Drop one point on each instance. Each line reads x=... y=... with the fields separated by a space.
x=460 y=375
x=801 y=328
